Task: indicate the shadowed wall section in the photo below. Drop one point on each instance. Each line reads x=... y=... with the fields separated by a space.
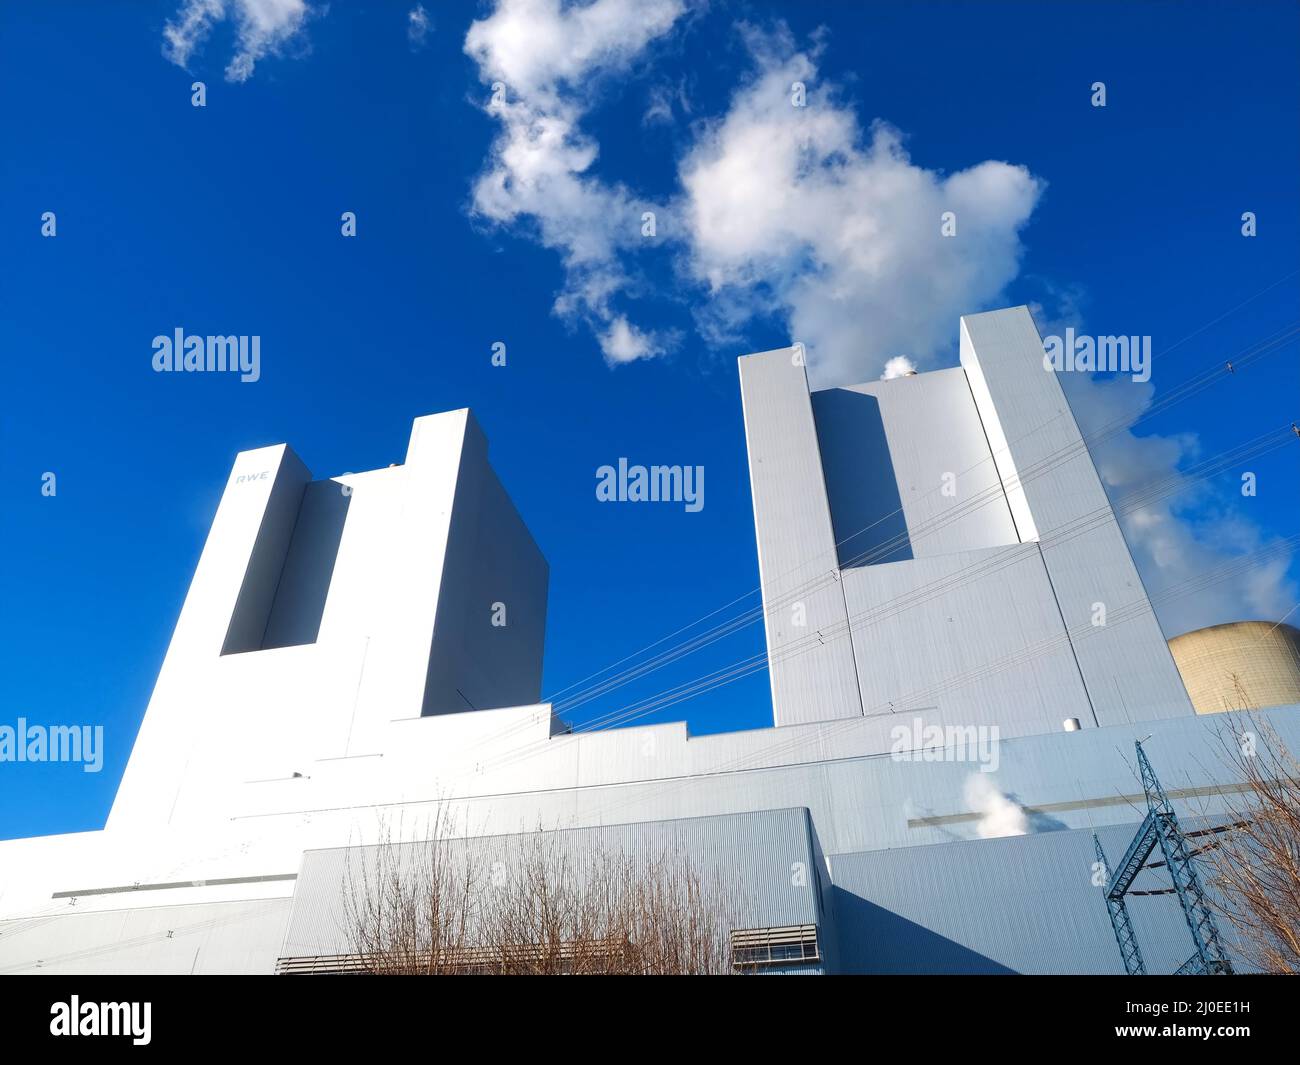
x=309 y=567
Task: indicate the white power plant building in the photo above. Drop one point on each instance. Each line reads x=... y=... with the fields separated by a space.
x=322 y=612
x=357 y=652
x=886 y=514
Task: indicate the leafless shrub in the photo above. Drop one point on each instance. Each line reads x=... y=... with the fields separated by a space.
x=533 y=905
x=410 y=906
x=1256 y=864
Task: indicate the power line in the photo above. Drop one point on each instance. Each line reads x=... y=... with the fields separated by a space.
x=994 y=494
x=1152 y=491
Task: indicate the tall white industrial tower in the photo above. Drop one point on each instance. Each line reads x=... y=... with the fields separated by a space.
x=940 y=544
x=321 y=611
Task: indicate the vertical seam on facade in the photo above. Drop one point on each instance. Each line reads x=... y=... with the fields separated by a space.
x=1038 y=545
x=993 y=458
x=835 y=548
x=1066 y=628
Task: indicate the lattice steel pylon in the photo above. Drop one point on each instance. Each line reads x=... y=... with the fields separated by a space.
x=1119 y=921
x=1160 y=827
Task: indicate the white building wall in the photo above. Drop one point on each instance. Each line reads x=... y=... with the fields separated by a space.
x=926 y=481
x=233 y=587
x=810 y=655
x=968 y=638
x=908 y=469
x=491 y=613
x=1049 y=475
x=203 y=939
x=321 y=611
x=1060 y=780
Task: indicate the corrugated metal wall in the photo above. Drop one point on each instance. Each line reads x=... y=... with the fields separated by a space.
x=1024 y=904
x=764 y=862
x=206 y=939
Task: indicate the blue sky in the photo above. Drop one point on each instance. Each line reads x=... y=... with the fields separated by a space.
x=225 y=219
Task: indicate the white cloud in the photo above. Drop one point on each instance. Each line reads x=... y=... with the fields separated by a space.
x=623 y=342
x=183 y=34
x=1186 y=534
x=782 y=208
x=796 y=207
x=539 y=49
x=539 y=60
x=1193 y=530
x=999 y=815
x=418 y=25
x=663 y=101
x=262 y=28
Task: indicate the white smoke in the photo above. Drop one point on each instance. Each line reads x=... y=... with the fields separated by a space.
x=898 y=366
x=1187 y=533
x=999 y=815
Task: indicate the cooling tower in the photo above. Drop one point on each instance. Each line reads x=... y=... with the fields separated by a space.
x=1239 y=666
